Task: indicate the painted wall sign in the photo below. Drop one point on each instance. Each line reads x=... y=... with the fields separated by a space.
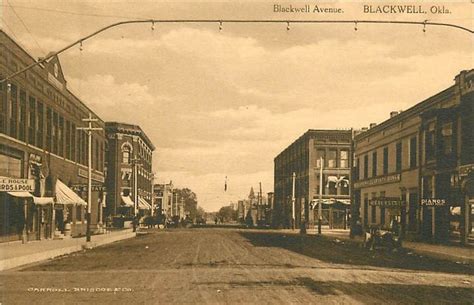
x=16 y=185
x=96 y=177
x=387 y=202
x=378 y=180
x=83 y=188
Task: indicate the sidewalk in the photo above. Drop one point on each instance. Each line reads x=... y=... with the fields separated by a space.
x=449 y=252
x=15 y=254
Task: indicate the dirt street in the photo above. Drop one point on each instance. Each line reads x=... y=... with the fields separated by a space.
x=233 y=266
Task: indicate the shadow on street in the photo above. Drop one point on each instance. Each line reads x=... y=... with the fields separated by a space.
x=352 y=253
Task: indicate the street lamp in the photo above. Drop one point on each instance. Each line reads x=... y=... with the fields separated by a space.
x=89 y=130
x=320 y=204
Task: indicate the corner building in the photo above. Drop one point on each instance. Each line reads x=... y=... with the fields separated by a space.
x=302 y=157
x=40 y=142
x=129 y=170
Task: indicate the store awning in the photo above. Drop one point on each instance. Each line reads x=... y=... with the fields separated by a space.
x=142 y=204
x=20 y=194
x=64 y=195
x=43 y=200
x=127 y=201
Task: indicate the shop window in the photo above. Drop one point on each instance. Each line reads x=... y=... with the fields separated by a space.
x=49 y=128
x=413 y=152
x=398 y=157
x=374 y=164
x=78 y=212
x=382 y=210
x=447 y=136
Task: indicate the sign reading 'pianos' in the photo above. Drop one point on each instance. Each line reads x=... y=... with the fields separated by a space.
x=431 y=202
x=16 y=185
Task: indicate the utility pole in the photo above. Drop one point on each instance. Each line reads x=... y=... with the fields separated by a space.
x=152 y=194
x=260 y=201
x=320 y=203
x=89 y=129
x=293 y=199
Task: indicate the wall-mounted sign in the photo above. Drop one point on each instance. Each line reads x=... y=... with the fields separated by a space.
x=16 y=185
x=387 y=202
x=83 y=187
x=431 y=202
x=83 y=173
x=378 y=180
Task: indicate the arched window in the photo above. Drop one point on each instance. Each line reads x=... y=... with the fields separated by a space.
x=126 y=154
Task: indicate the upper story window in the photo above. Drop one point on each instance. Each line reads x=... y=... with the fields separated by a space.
x=374 y=164
x=332 y=158
x=430 y=137
x=385 y=160
x=320 y=153
x=126 y=150
x=398 y=157
x=413 y=152
x=344 y=158
x=366 y=166
x=447 y=136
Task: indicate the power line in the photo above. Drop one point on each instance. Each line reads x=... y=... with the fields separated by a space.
x=220 y=22
x=71 y=13
x=24 y=25
x=9 y=28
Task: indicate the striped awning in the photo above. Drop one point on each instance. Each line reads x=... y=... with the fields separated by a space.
x=127 y=201
x=64 y=195
x=20 y=194
x=142 y=204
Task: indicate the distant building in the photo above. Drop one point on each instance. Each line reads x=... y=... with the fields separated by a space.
x=163 y=198
x=302 y=157
x=417 y=166
x=40 y=142
x=129 y=160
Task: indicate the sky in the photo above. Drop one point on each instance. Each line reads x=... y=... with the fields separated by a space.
x=224 y=103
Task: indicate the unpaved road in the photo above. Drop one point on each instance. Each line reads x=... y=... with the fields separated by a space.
x=231 y=266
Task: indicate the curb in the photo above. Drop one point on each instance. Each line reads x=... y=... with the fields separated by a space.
x=42 y=256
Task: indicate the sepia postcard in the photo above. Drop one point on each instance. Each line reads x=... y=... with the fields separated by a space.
x=236 y=152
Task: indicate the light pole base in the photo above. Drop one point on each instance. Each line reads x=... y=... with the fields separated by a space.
x=319 y=226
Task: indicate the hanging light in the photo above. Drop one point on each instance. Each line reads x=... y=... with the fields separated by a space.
x=80 y=46
x=424 y=26
x=220 y=26
x=355 y=25
x=153 y=25
x=287 y=25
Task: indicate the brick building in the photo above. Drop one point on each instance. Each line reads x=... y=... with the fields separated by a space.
x=302 y=157
x=129 y=170
x=40 y=142
x=416 y=166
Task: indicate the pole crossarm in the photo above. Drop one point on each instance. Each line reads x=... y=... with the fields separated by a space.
x=221 y=21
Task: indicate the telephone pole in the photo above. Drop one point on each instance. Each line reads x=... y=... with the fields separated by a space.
x=293 y=199
x=89 y=129
x=260 y=199
x=320 y=203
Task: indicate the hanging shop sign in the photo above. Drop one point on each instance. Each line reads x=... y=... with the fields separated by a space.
x=387 y=202
x=378 y=180
x=16 y=185
x=431 y=202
